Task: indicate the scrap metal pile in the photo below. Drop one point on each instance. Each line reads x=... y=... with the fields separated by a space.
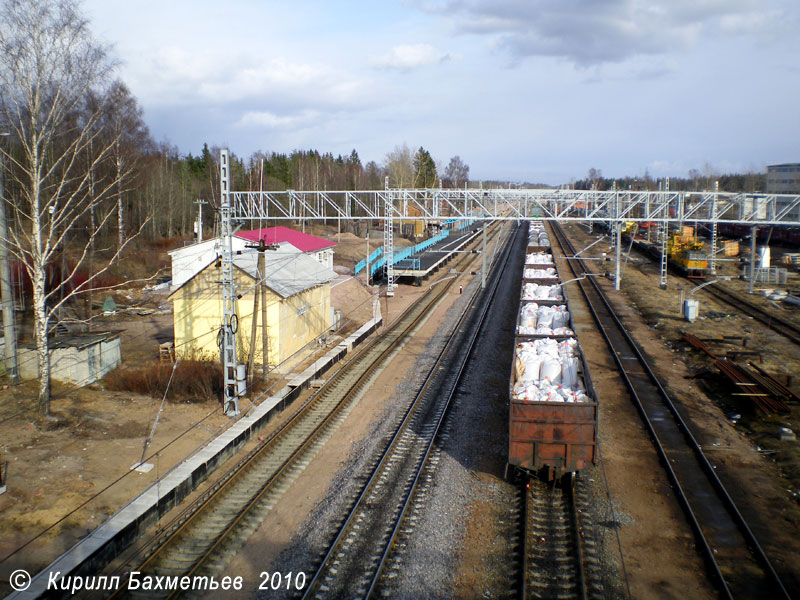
x=764 y=390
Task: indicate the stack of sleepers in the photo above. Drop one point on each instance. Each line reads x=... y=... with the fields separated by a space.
x=553 y=413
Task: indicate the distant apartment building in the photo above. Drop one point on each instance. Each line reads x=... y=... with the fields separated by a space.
x=783 y=179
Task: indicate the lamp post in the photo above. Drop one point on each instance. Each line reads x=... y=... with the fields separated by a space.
x=7 y=300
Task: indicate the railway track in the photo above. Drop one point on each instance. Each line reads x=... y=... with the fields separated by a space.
x=775 y=323
x=202 y=538
x=559 y=552
x=362 y=555
x=771 y=321
x=739 y=566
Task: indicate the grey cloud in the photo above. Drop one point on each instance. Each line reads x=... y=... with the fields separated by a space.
x=590 y=32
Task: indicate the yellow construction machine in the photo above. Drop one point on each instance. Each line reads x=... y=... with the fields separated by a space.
x=685 y=251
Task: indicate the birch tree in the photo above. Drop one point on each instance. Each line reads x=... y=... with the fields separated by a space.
x=50 y=64
x=129 y=138
x=400 y=167
x=457 y=172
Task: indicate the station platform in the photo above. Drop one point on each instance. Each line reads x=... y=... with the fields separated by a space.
x=423 y=265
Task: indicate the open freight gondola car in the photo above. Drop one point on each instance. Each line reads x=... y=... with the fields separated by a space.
x=552 y=405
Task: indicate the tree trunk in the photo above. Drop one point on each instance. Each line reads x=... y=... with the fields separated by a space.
x=90 y=292
x=42 y=346
x=120 y=210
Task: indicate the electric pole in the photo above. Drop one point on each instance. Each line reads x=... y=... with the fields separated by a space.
x=367 y=265
x=483 y=257
x=230 y=321
x=260 y=289
x=199 y=223
x=9 y=330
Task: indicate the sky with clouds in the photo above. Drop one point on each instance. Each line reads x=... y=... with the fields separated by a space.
x=522 y=90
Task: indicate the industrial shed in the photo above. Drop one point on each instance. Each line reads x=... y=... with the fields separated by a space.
x=80 y=358
x=298 y=305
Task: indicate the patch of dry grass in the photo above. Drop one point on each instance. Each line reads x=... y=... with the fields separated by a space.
x=193 y=381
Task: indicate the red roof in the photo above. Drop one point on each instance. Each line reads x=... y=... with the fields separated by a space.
x=276 y=235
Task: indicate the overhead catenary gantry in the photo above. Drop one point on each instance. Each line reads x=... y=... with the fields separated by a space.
x=613 y=207
x=510 y=204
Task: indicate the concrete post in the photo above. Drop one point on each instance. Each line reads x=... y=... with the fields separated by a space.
x=617 y=240
x=483 y=257
x=9 y=329
x=752 y=260
x=254 y=323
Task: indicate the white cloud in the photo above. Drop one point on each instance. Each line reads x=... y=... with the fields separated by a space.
x=590 y=32
x=270 y=120
x=406 y=57
x=177 y=77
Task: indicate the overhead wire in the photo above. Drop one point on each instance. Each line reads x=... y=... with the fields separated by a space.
x=157 y=452
x=148 y=440
x=146 y=443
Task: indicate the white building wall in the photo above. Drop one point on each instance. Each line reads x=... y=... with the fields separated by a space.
x=73 y=364
x=189 y=260
x=325 y=257
x=783 y=179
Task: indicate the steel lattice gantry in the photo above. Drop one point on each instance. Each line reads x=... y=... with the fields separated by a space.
x=663 y=207
x=388 y=205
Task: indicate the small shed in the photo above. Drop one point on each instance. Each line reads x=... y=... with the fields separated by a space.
x=80 y=358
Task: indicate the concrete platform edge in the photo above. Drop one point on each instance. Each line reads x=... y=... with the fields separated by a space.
x=93 y=552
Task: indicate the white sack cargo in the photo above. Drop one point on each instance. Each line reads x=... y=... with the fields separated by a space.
x=539 y=258
x=547 y=371
x=548 y=273
x=535 y=291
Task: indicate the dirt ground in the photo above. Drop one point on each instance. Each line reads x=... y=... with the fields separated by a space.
x=763 y=482
x=71 y=470
x=94 y=436
x=68 y=472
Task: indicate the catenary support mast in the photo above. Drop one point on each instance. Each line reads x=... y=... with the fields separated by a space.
x=230 y=322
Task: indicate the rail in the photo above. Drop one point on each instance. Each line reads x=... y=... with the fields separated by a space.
x=208 y=527
x=382 y=504
x=787 y=329
x=737 y=562
x=553 y=555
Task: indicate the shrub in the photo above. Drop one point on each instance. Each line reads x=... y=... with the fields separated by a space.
x=194 y=380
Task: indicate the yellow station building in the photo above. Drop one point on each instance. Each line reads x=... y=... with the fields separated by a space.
x=298 y=305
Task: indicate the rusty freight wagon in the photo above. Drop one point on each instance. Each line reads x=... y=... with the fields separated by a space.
x=552 y=405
